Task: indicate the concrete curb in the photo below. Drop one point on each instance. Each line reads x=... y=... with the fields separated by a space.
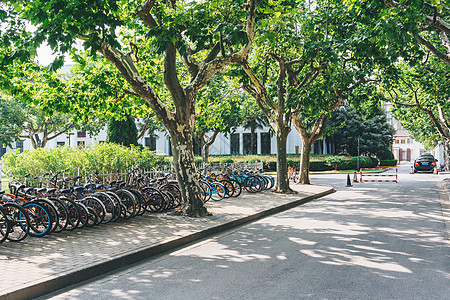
x=444 y=196
x=89 y=272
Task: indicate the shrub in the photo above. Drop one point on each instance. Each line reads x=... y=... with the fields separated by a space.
x=364 y=162
x=319 y=166
x=385 y=154
x=226 y=160
x=388 y=162
x=103 y=158
x=334 y=161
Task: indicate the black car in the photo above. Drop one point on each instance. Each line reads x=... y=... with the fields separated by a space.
x=425 y=163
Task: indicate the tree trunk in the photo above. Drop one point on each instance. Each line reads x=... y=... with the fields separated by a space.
x=205 y=153
x=446 y=146
x=282 y=168
x=304 y=163
x=187 y=176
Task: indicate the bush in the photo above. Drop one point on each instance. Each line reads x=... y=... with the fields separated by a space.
x=388 y=162
x=319 y=166
x=385 y=154
x=226 y=160
x=364 y=162
x=334 y=161
x=104 y=158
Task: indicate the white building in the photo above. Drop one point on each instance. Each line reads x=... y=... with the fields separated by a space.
x=238 y=142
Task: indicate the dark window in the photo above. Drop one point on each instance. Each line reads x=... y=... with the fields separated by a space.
x=250 y=143
x=81 y=134
x=265 y=143
x=19 y=146
x=81 y=144
x=2 y=150
x=60 y=143
x=234 y=143
x=150 y=142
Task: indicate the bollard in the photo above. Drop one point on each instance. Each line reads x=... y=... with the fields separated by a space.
x=348 y=180
x=355 y=177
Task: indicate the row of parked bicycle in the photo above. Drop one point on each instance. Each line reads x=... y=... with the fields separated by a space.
x=66 y=205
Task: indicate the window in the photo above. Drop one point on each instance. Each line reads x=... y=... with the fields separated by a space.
x=81 y=134
x=81 y=144
x=60 y=143
x=402 y=141
x=265 y=143
x=19 y=146
x=397 y=141
x=150 y=142
x=235 y=143
x=250 y=143
x=2 y=150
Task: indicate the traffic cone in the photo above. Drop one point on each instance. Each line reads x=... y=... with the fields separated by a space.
x=435 y=170
x=412 y=170
x=355 y=178
x=348 y=180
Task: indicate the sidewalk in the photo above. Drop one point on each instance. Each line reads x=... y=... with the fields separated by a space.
x=38 y=266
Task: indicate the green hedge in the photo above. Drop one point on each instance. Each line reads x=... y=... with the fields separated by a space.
x=388 y=162
x=329 y=163
x=104 y=158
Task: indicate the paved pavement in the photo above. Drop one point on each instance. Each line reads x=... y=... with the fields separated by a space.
x=38 y=266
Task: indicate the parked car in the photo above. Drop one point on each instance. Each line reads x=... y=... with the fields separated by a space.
x=425 y=163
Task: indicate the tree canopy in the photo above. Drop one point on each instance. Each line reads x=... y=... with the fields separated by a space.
x=348 y=130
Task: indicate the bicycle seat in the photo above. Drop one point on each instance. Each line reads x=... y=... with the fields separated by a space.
x=51 y=191
x=40 y=190
x=64 y=191
x=2 y=192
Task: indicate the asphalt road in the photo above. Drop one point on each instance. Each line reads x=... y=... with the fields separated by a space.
x=369 y=241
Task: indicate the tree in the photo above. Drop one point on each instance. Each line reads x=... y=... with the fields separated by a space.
x=196 y=39
x=374 y=133
x=417 y=32
x=218 y=111
x=426 y=23
x=420 y=99
x=312 y=59
x=122 y=132
x=19 y=121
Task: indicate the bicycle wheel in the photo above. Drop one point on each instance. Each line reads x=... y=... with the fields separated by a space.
x=4 y=225
x=73 y=213
x=206 y=186
x=40 y=220
x=237 y=187
x=117 y=205
x=93 y=218
x=84 y=214
x=128 y=202
x=19 y=222
x=63 y=214
x=229 y=188
x=109 y=206
x=174 y=190
x=153 y=198
x=51 y=210
x=217 y=191
x=141 y=200
x=252 y=184
x=271 y=181
x=97 y=205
